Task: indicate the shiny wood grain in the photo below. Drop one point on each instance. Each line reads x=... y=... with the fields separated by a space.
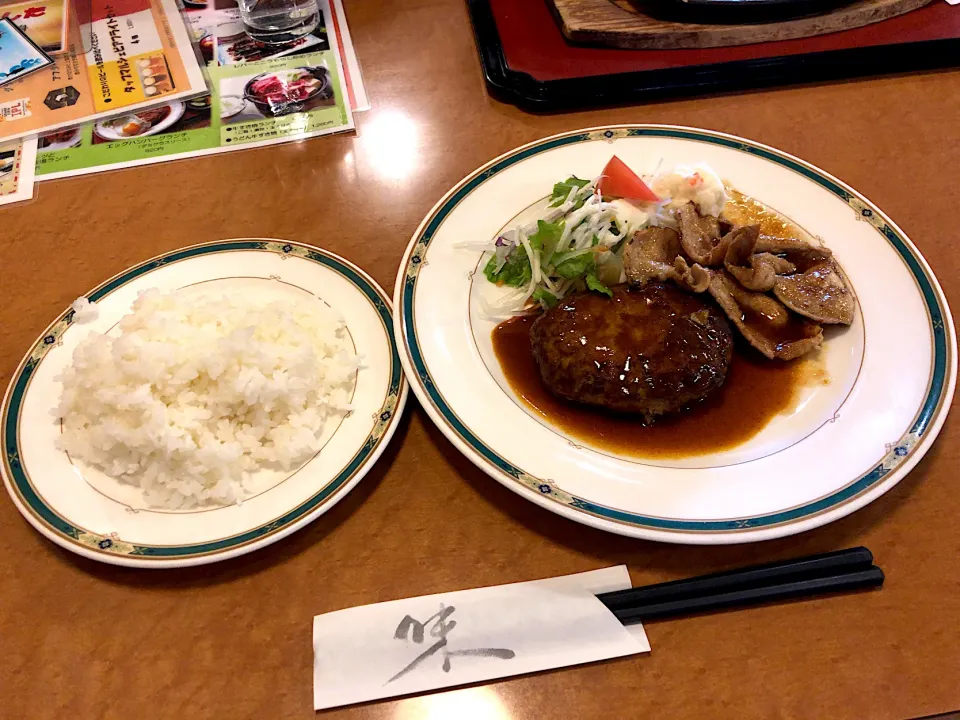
x=85 y=640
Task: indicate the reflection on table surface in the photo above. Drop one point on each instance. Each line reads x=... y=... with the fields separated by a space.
x=389 y=143
x=475 y=703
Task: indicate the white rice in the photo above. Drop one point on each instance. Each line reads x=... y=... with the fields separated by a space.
x=84 y=310
x=198 y=393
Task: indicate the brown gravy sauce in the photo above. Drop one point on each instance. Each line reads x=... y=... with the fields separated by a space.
x=755 y=391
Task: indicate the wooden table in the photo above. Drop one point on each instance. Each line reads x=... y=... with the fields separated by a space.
x=233 y=640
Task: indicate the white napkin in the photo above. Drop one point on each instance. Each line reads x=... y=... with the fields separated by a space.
x=435 y=641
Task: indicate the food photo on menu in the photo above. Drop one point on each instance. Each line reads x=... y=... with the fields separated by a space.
x=193 y=114
x=272 y=94
x=202 y=30
x=168 y=119
x=235 y=46
x=7 y=159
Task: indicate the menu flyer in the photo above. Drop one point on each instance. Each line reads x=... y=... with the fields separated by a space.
x=44 y=21
x=259 y=95
x=139 y=53
x=348 y=56
x=17 y=160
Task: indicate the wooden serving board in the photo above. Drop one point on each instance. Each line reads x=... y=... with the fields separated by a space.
x=618 y=23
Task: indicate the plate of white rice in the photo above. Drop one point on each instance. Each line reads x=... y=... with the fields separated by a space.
x=202 y=404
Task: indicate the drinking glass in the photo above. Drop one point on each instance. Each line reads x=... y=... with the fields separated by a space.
x=279 y=21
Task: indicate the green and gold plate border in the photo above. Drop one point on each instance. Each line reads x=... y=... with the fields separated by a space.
x=111 y=548
x=903 y=453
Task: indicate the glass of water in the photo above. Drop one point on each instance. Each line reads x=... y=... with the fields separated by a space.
x=279 y=21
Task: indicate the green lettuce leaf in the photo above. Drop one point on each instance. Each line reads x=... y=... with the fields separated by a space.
x=545 y=239
x=593 y=282
x=562 y=189
x=516 y=272
x=544 y=297
x=576 y=267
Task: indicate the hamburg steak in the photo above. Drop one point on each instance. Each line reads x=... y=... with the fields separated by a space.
x=648 y=350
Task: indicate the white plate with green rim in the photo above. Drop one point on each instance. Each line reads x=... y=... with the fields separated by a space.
x=98 y=517
x=837 y=448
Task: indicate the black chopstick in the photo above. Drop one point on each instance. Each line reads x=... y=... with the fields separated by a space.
x=840 y=571
x=858 y=580
x=858 y=558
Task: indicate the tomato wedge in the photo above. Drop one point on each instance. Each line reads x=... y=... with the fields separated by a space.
x=619 y=181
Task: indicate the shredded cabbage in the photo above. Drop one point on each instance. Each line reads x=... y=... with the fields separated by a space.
x=577 y=243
